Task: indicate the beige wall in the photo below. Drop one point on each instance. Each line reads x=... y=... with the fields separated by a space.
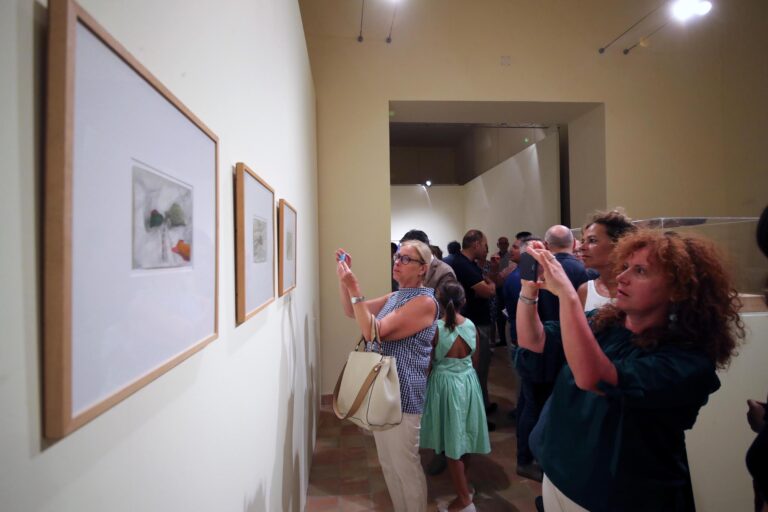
x=586 y=156
x=232 y=428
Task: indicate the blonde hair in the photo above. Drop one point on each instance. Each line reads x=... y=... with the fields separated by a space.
x=425 y=253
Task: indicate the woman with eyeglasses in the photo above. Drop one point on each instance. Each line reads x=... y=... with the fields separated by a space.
x=637 y=372
x=407 y=324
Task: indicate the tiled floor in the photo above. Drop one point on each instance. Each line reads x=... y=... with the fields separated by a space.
x=346 y=475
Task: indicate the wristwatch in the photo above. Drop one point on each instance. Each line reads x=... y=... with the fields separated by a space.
x=528 y=300
x=355 y=300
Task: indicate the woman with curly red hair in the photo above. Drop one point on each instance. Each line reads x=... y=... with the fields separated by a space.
x=637 y=372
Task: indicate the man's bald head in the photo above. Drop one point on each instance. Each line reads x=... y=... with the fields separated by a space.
x=559 y=239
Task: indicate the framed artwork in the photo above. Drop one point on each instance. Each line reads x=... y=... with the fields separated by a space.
x=254 y=243
x=286 y=274
x=131 y=235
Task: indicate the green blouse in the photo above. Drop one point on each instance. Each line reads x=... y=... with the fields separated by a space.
x=623 y=450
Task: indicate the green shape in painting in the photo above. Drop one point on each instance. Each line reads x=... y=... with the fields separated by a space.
x=155 y=219
x=176 y=215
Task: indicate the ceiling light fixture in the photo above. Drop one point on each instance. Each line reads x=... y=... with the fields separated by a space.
x=360 y=36
x=683 y=10
x=392 y=24
x=602 y=49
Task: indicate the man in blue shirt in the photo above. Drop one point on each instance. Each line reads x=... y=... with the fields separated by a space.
x=478 y=290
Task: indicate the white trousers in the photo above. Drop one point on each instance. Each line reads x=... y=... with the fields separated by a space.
x=556 y=501
x=398 y=450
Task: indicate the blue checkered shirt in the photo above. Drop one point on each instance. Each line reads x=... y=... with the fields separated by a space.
x=412 y=353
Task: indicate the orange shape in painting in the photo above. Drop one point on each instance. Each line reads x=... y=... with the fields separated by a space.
x=183 y=249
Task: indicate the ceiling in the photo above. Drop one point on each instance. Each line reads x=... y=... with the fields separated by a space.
x=441 y=140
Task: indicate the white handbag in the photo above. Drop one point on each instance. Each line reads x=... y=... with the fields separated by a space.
x=367 y=392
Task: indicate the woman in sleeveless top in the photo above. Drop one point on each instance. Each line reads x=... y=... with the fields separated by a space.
x=406 y=320
x=454 y=419
x=599 y=237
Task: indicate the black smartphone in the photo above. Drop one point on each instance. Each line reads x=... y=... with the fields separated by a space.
x=529 y=267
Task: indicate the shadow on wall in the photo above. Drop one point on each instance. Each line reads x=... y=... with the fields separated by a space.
x=289 y=472
x=257 y=502
x=310 y=397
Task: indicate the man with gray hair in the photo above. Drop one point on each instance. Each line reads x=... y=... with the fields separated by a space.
x=560 y=242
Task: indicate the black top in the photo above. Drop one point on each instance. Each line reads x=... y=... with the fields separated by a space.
x=549 y=304
x=469 y=274
x=757 y=464
x=625 y=449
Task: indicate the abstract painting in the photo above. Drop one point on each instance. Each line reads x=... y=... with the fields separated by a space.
x=286 y=269
x=254 y=243
x=162 y=221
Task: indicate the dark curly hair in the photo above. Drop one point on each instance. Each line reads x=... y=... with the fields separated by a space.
x=615 y=222
x=704 y=301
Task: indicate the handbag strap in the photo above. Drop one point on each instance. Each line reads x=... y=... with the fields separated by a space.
x=360 y=394
x=375 y=338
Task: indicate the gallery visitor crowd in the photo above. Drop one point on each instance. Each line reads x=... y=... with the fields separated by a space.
x=615 y=337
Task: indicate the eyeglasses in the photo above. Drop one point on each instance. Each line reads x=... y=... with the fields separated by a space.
x=405 y=259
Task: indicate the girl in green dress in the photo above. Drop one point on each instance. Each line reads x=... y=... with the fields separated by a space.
x=454 y=415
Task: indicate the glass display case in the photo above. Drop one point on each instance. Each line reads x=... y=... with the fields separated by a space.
x=736 y=238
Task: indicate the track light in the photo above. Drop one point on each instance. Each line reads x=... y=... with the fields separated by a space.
x=360 y=35
x=683 y=10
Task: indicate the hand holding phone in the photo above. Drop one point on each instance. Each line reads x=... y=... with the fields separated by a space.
x=529 y=267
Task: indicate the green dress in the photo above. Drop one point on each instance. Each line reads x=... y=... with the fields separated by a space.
x=454 y=416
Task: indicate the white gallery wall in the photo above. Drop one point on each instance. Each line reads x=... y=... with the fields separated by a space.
x=231 y=428
x=520 y=193
x=437 y=210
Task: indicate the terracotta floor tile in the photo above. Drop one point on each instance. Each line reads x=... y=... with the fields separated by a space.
x=318 y=503
x=345 y=465
x=356 y=503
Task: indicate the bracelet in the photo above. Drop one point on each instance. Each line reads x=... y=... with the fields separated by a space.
x=528 y=300
x=355 y=300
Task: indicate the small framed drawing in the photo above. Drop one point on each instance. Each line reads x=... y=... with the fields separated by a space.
x=286 y=280
x=131 y=237
x=254 y=243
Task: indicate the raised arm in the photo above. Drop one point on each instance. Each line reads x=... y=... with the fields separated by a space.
x=586 y=359
x=530 y=330
x=349 y=287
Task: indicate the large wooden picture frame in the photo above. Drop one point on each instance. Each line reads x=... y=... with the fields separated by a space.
x=254 y=243
x=131 y=241
x=286 y=248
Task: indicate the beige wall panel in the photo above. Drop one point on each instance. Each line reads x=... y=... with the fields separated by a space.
x=587 y=172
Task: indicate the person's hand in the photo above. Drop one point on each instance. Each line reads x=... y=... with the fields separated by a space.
x=342 y=255
x=495 y=263
x=347 y=277
x=756 y=415
x=553 y=278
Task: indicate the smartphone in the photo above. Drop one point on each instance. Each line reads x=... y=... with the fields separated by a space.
x=529 y=267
